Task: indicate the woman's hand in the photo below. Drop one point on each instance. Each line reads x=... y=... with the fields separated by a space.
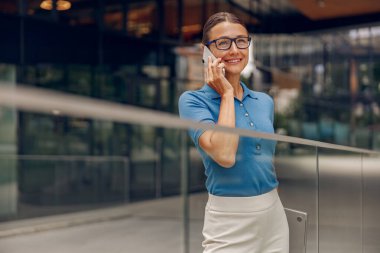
x=214 y=77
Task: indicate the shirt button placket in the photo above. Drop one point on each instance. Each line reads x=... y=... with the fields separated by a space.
x=246 y=115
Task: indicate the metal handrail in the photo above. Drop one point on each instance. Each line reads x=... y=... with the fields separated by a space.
x=46 y=101
x=66 y=157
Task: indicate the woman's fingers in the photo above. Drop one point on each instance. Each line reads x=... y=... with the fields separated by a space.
x=214 y=74
x=217 y=68
x=209 y=70
x=221 y=68
x=216 y=62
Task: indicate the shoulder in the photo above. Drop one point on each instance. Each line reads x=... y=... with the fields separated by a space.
x=192 y=96
x=192 y=100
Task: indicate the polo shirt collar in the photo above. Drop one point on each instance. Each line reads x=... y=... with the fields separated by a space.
x=211 y=93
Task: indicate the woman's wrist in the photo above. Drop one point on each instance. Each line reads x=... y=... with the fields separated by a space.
x=228 y=94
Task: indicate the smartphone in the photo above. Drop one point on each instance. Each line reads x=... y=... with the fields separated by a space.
x=206 y=54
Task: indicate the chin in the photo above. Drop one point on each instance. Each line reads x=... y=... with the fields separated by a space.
x=234 y=70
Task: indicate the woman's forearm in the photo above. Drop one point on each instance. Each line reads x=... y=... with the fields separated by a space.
x=219 y=145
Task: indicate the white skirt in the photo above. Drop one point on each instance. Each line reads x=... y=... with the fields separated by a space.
x=245 y=225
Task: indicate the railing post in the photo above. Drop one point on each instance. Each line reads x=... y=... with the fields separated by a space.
x=184 y=191
x=127 y=180
x=318 y=191
x=362 y=202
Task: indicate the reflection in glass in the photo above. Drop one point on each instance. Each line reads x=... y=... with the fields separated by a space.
x=340 y=201
x=296 y=168
x=324 y=84
x=371 y=202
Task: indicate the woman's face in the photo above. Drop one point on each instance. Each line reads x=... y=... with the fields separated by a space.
x=234 y=59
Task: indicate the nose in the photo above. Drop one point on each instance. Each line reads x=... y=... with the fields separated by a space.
x=234 y=47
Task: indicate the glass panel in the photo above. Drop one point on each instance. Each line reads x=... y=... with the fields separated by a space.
x=8 y=185
x=144 y=160
x=340 y=201
x=296 y=168
x=325 y=84
x=171 y=173
x=197 y=204
x=101 y=188
x=40 y=134
x=60 y=184
x=44 y=134
x=79 y=79
x=46 y=75
x=8 y=147
x=57 y=173
x=371 y=202
x=77 y=135
x=147 y=94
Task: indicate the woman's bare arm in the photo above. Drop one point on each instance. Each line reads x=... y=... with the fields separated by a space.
x=221 y=146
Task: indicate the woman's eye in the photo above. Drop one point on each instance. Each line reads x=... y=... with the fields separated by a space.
x=241 y=41
x=222 y=43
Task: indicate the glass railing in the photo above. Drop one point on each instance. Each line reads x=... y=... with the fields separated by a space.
x=155 y=190
x=40 y=185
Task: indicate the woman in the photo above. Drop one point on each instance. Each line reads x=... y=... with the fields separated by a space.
x=243 y=213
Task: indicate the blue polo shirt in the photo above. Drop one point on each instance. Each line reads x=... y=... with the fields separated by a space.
x=253 y=173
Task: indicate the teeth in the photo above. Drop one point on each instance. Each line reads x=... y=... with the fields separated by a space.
x=233 y=61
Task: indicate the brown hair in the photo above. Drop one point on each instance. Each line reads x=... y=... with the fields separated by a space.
x=217 y=18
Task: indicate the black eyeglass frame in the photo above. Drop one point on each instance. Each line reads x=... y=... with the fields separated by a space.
x=232 y=40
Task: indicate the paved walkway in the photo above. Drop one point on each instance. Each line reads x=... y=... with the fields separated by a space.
x=149 y=226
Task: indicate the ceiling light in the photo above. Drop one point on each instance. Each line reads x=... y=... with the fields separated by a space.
x=62 y=5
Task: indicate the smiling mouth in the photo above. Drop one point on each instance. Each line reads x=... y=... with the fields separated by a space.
x=233 y=61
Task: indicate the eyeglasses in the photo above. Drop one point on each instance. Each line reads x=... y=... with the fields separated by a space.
x=226 y=43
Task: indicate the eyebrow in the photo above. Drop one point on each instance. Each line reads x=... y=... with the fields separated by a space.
x=227 y=37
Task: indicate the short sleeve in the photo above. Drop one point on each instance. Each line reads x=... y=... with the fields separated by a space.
x=193 y=108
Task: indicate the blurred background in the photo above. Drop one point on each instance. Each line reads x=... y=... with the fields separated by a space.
x=318 y=59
